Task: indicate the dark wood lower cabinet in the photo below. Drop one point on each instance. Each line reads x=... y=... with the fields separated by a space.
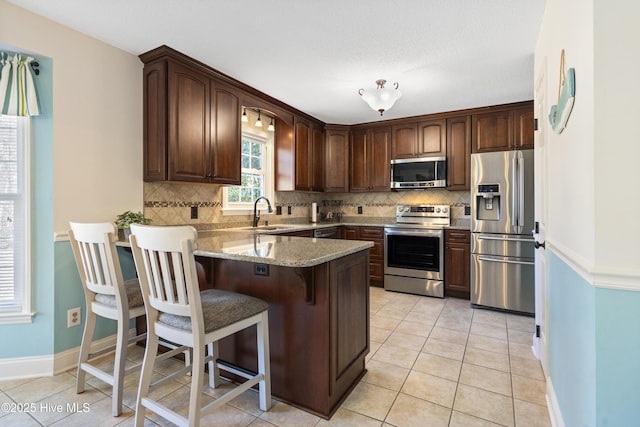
x=376 y=253
x=457 y=263
x=318 y=327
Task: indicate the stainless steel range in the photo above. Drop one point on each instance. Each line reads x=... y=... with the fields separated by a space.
x=414 y=250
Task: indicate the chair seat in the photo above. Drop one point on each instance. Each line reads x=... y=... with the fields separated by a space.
x=219 y=309
x=134 y=295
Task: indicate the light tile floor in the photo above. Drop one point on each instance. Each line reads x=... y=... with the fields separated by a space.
x=433 y=362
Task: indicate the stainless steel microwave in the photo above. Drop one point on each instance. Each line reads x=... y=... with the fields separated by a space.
x=424 y=172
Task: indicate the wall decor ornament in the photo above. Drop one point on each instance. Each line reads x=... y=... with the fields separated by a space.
x=559 y=114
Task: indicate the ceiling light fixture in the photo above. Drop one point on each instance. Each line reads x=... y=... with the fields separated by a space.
x=381 y=98
x=259 y=121
x=271 y=127
x=245 y=118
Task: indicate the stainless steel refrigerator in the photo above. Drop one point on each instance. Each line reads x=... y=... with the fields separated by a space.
x=502 y=244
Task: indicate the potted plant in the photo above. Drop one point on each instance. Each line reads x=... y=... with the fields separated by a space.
x=124 y=220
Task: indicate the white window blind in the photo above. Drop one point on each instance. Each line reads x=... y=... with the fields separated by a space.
x=14 y=255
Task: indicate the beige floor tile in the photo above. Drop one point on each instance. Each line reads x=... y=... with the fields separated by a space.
x=62 y=404
x=526 y=368
x=488 y=317
x=379 y=334
x=98 y=413
x=249 y=401
x=9 y=384
x=346 y=418
x=520 y=336
x=394 y=313
x=421 y=318
x=401 y=339
x=444 y=349
x=521 y=323
x=521 y=350
x=428 y=387
x=385 y=375
x=530 y=390
x=459 y=324
x=408 y=411
x=370 y=400
x=458 y=419
x=489 y=344
x=488 y=359
x=486 y=378
x=498 y=332
x=449 y=335
x=484 y=404
x=40 y=388
x=443 y=367
x=397 y=356
x=373 y=348
x=384 y=322
x=531 y=415
x=19 y=419
x=419 y=329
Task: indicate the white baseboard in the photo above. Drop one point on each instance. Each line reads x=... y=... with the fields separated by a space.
x=49 y=365
x=552 y=405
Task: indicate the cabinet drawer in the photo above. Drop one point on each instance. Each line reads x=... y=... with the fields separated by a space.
x=376 y=270
x=457 y=236
x=370 y=233
x=376 y=251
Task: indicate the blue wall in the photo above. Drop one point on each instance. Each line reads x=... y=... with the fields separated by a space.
x=594 y=349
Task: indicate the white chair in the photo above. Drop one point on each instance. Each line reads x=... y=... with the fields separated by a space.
x=179 y=312
x=106 y=295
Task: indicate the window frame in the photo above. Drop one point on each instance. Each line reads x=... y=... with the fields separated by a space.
x=21 y=311
x=234 y=208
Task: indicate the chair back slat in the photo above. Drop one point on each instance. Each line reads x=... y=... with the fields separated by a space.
x=167 y=277
x=96 y=257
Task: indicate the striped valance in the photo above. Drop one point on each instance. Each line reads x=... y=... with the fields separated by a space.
x=18 y=94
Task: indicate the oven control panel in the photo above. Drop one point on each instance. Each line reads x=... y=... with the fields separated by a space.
x=424 y=214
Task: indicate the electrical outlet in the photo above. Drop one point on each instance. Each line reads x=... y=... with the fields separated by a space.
x=261 y=269
x=278 y=210
x=288 y=210
x=73 y=317
x=359 y=210
x=194 y=212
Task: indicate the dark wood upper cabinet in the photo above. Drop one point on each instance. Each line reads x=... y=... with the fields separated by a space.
x=317 y=159
x=427 y=138
x=191 y=125
x=336 y=159
x=503 y=129
x=300 y=161
x=458 y=152
x=302 y=156
x=369 y=159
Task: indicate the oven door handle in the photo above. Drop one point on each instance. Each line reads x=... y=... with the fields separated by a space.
x=418 y=233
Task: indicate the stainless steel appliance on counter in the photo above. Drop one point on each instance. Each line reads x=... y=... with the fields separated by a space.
x=502 y=245
x=424 y=172
x=414 y=250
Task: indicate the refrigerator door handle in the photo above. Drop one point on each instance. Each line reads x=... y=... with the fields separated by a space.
x=520 y=192
x=514 y=199
x=504 y=261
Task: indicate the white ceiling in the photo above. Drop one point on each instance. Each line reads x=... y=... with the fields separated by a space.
x=315 y=55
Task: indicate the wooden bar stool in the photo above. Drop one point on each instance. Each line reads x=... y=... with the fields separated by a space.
x=177 y=311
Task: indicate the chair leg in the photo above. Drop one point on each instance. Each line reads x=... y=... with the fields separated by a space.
x=214 y=371
x=263 y=362
x=197 y=377
x=122 y=340
x=85 y=347
x=148 y=362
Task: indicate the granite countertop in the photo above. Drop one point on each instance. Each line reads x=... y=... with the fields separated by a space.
x=274 y=249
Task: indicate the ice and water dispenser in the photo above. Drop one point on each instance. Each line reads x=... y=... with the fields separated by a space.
x=488 y=202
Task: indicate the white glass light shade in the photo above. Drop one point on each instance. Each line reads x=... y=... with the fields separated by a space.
x=381 y=98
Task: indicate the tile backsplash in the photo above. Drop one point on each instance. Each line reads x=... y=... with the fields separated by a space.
x=170 y=203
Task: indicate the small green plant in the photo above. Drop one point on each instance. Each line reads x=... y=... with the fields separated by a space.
x=124 y=220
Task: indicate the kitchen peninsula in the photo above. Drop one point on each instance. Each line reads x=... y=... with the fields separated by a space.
x=318 y=295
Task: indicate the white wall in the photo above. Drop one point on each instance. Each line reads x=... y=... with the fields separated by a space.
x=97 y=115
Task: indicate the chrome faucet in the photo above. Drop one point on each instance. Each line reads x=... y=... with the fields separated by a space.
x=256 y=212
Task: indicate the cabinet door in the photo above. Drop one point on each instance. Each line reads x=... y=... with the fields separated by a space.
x=404 y=141
x=458 y=153
x=358 y=169
x=317 y=159
x=336 y=160
x=492 y=131
x=379 y=160
x=226 y=140
x=457 y=252
x=189 y=125
x=432 y=138
x=155 y=122
x=524 y=137
x=350 y=233
x=302 y=156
